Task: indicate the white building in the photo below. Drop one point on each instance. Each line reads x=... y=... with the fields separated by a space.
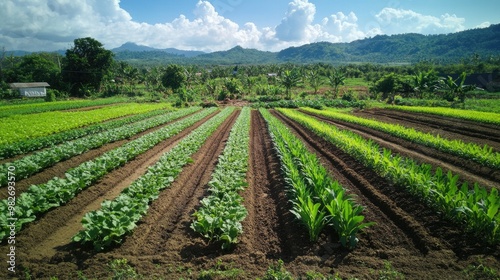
x=31 y=89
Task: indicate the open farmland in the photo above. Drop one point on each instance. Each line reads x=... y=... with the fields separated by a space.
x=154 y=180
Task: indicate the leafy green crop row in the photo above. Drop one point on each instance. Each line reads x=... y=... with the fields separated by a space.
x=222 y=211
x=317 y=199
x=19 y=127
x=481 y=154
x=475 y=207
x=36 y=162
x=29 y=145
x=40 y=107
x=39 y=199
x=119 y=216
x=484 y=117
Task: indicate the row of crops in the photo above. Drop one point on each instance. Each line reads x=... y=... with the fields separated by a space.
x=317 y=200
x=27 y=126
x=40 y=107
x=473 y=206
x=482 y=154
x=34 y=163
x=221 y=213
x=484 y=117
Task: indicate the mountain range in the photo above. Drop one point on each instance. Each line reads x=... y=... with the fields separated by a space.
x=403 y=48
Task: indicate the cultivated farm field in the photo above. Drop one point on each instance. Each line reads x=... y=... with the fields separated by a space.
x=240 y=193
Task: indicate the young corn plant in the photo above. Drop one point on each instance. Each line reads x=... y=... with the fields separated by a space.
x=311 y=214
x=476 y=208
x=347 y=220
x=312 y=189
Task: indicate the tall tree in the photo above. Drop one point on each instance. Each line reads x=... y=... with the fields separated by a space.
x=289 y=79
x=174 y=77
x=38 y=67
x=85 y=65
x=315 y=80
x=336 y=79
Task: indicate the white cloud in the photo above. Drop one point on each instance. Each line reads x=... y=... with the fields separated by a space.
x=344 y=28
x=485 y=24
x=36 y=25
x=397 y=21
x=296 y=25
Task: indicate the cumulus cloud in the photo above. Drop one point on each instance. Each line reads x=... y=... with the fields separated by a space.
x=296 y=25
x=54 y=24
x=344 y=28
x=394 y=21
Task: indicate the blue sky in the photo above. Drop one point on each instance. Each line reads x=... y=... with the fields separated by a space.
x=270 y=12
x=222 y=24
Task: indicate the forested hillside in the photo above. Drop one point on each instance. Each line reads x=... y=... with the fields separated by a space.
x=403 y=48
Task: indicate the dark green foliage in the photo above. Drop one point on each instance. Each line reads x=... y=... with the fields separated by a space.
x=39 y=67
x=386 y=85
x=174 y=77
x=86 y=65
x=51 y=96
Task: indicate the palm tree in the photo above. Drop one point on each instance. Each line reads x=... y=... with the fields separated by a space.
x=315 y=80
x=336 y=78
x=289 y=79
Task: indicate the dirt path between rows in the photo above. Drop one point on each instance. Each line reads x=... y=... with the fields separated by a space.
x=60 y=168
x=468 y=170
x=47 y=240
x=442 y=245
x=446 y=127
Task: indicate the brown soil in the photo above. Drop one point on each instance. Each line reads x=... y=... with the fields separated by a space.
x=412 y=237
x=441 y=244
x=469 y=170
x=452 y=128
x=60 y=168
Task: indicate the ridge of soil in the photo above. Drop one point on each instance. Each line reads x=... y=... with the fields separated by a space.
x=446 y=127
x=469 y=170
x=60 y=168
x=412 y=237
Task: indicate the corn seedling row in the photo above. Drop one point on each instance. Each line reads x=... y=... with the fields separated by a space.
x=471 y=151
x=221 y=213
x=38 y=161
x=119 y=216
x=39 y=199
x=318 y=200
x=478 y=116
x=475 y=207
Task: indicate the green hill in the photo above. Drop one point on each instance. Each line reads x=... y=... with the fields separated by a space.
x=403 y=48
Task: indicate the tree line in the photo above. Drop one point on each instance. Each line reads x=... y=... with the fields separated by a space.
x=89 y=70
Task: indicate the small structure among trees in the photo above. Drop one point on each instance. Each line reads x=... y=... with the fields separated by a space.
x=31 y=89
